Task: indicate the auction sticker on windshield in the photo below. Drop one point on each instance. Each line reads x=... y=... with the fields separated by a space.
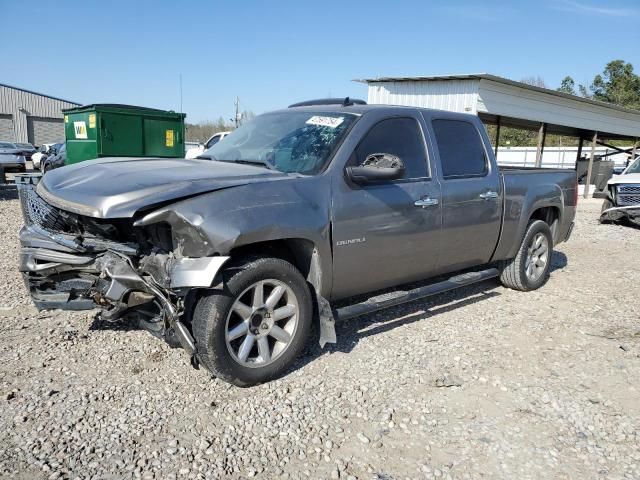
x=332 y=122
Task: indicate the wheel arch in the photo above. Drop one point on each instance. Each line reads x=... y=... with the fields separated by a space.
x=549 y=214
x=303 y=253
x=547 y=208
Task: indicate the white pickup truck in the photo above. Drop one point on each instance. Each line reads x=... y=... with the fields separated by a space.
x=623 y=196
x=196 y=151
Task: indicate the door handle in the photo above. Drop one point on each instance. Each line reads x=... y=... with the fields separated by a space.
x=426 y=202
x=489 y=195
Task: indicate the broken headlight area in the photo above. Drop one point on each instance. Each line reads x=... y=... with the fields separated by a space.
x=38 y=213
x=73 y=262
x=622 y=204
x=109 y=280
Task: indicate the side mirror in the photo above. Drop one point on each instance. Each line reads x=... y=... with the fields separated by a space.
x=377 y=167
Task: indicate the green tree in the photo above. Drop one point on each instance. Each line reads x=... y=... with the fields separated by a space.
x=568 y=85
x=618 y=84
x=583 y=91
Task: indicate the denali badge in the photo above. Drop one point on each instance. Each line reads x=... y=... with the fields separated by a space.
x=351 y=241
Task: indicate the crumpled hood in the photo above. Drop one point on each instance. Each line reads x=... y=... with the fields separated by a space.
x=118 y=187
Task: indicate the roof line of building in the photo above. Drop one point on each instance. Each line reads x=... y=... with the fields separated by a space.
x=495 y=78
x=38 y=93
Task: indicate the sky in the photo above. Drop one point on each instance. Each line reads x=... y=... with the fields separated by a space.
x=273 y=53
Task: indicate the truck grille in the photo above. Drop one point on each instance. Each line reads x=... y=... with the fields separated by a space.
x=36 y=211
x=628 y=195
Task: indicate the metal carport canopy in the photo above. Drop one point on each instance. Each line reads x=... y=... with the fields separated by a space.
x=504 y=102
x=516 y=104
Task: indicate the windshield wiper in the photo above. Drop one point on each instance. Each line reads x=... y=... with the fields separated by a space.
x=257 y=162
x=263 y=163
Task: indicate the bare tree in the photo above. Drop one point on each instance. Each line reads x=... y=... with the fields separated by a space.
x=536 y=81
x=200 y=132
x=246 y=116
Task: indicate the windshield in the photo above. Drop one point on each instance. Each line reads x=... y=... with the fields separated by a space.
x=634 y=167
x=7 y=145
x=294 y=141
x=24 y=145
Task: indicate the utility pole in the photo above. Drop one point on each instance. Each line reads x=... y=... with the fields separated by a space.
x=237 y=119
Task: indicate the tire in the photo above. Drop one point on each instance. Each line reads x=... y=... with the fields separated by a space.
x=515 y=272
x=605 y=205
x=220 y=315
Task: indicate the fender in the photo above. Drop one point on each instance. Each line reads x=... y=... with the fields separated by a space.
x=520 y=204
x=195 y=272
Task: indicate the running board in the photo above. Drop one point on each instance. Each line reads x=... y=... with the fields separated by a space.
x=391 y=299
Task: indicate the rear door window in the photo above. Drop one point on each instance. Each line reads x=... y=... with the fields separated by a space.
x=461 y=149
x=400 y=137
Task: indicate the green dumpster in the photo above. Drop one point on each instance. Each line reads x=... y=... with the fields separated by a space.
x=109 y=130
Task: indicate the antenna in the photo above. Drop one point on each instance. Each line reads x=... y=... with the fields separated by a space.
x=180 y=93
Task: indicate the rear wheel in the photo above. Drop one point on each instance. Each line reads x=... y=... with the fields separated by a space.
x=529 y=269
x=254 y=329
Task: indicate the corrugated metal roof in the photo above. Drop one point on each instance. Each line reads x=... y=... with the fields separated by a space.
x=495 y=78
x=26 y=108
x=37 y=93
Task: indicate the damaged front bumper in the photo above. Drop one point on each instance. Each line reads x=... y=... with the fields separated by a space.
x=71 y=271
x=616 y=214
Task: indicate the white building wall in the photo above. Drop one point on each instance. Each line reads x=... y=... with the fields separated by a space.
x=452 y=95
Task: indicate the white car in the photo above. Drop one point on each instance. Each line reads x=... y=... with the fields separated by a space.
x=215 y=138
x=623 y=196
x=41 y=154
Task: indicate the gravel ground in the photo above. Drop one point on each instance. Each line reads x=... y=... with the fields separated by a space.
x=480 y=383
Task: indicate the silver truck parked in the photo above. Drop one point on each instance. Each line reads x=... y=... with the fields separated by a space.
x=234 y=255
x=622 y=200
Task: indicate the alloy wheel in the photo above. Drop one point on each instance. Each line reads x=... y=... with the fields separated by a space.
x=537 y=257
x=261 y=323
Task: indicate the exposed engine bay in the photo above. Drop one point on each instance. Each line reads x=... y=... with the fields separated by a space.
x=76 y=262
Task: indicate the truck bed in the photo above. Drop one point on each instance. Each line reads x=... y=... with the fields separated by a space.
x=556 y=187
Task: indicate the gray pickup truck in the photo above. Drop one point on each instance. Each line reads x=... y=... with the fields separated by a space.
x=237 y=254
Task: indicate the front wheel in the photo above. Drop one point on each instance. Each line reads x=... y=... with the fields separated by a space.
x=606 y=205
x=255 y=328
x=529 y=269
